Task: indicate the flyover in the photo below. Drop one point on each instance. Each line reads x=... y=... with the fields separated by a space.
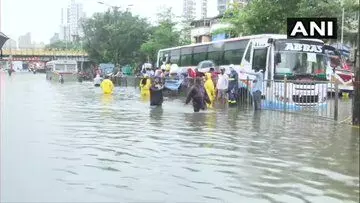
x=43 y=55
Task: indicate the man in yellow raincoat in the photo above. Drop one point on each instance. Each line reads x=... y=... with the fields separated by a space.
x=210 y=89
x=107 y=86
x=145 y=85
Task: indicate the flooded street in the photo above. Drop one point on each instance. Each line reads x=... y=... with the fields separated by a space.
x=70 y=143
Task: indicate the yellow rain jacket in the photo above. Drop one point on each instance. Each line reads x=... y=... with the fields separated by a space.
x=145 y=88
x=210 y=89
x=167 y=67
x=107 y=86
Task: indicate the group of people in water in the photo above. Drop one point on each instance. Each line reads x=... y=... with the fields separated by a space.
x=204 y=90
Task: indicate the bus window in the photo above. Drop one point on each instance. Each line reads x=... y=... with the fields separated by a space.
x=186 y=56
x=164 y=56
x=234 y=51
x=199 y=54
x=59 y=67
x=216 y=54
x=233 y=56
x=259 y=58
x=175 y=56
x=247 y=56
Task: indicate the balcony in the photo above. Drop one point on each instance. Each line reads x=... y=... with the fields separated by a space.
x=200 y=31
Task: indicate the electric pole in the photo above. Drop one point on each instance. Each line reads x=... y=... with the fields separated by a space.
x=356 y=98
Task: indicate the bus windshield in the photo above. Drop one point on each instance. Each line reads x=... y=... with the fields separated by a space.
x=299 y=58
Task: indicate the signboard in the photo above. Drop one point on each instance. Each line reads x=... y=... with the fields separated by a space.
x=219 y=37
x=299 y=46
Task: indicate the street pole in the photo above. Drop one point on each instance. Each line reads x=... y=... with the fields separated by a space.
x=356 y=98
x=342 y=25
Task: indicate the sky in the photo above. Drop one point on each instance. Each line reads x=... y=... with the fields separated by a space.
x=42 y=17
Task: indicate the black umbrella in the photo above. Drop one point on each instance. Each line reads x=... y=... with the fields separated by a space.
x=3 y=39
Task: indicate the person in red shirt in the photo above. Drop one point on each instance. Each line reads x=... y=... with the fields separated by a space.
x=191 y=73
x=198 y=73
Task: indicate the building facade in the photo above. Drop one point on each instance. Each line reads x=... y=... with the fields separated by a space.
x=202 y=30
x=204 y=7
x=25 y=41
x=189 y=9
x=223 y=5
x=70 y=28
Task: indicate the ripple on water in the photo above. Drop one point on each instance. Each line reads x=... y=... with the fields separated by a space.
x=118 y=149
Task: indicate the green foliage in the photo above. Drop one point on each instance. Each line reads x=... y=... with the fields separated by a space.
x=269 y=16
x=63 y=45
x=114 y=36
x=121 y=38
x=164 y=35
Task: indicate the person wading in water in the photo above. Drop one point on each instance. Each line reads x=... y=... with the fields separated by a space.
x=156 y=93
x=107 y=86
x=257 y=86
x=198 y=95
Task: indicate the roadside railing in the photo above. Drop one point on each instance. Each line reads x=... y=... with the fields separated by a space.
x=313 y=98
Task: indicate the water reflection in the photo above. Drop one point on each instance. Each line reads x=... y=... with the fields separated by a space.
x=156 y=115
x=256 y=121
x=107 y=99
x=211 y=120
x=71 y=143
x=196 y=121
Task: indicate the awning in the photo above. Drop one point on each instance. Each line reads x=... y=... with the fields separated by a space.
x=3 y=39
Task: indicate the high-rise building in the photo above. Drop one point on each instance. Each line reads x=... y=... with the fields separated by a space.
x=64 y=33
x=75 y=15
x=25 y=41
x=10 y=44
x=204 y=6
x=71 y=16
x=189 y=10
x=224 y=4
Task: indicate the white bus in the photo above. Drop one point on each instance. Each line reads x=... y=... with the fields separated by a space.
x=67 y=68
x=278 y=56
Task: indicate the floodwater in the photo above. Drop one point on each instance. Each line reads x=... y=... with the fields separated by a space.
x=69 y=143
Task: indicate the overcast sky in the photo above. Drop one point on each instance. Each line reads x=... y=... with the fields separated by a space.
x=42 y=17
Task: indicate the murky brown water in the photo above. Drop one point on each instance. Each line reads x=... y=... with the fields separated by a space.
x=69 y=143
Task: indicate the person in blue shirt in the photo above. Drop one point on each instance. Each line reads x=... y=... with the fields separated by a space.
x=257 y=87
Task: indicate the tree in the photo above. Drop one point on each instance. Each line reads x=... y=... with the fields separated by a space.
x=164 y=35
x=114 y=36
x=269 y=16
x=63 y=45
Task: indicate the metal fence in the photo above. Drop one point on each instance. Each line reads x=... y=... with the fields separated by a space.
x=309 y=98
x=312 y=98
